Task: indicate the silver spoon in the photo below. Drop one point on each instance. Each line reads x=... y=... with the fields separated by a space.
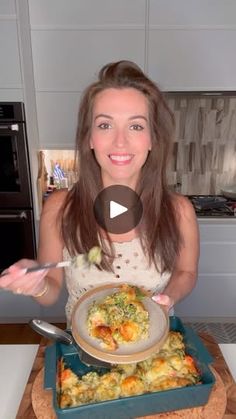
x=50 y=331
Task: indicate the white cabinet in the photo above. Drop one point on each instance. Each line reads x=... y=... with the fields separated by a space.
x=61 y=74
x=70 y=43
x=87 y=13
x=11 y=87
x=56 y=312
x=7 y=7
x=190 y=13
x=67 y=61
x=215 y=292
x=17 y=308
x=181 y=59
x=191 y=44
x=184 y=45
x=21 y=309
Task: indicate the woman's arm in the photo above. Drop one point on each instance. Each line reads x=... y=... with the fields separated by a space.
x=184 y=275
x=51 y=248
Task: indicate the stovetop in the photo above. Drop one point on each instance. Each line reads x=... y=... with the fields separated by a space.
x=213 y=206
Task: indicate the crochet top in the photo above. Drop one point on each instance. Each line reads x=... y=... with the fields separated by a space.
x=130 y=266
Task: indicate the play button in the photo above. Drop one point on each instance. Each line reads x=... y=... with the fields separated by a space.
x=118 y=209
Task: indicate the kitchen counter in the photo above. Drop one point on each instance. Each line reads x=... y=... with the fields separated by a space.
x=16 y=362
x=15 y=365
x=217 y=220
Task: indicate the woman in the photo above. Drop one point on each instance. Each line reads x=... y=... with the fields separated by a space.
x=124 y=137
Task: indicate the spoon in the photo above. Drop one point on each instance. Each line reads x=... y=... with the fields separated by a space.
x=58 y=335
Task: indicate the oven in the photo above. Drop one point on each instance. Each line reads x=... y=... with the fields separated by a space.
x=17 y=229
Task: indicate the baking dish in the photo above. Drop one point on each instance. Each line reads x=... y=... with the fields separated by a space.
x=131 y=407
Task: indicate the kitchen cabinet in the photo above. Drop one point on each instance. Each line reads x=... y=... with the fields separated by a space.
x=17 y=308
x=11 y=86
x=56 y=313
x=190 y=13
x=58 y=86
x=181 y=59
x=21 y=309
x=191 y=44
x=69 y=47
x=184 y=46
x=214 y=294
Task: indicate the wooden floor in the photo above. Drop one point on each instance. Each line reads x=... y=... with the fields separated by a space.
x=21 y=333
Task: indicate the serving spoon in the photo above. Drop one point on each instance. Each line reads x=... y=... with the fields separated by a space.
x=56 y=334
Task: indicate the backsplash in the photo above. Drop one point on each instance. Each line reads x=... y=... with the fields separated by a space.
x=204 y=154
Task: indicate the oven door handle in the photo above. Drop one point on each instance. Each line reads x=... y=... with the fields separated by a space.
x=22 y=216
x=12 y=127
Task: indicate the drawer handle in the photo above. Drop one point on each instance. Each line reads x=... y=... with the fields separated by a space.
x=21 y=216
x=12 y=127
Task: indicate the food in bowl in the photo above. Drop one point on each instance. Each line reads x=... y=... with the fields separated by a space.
x=119 y=318
x=170 y=368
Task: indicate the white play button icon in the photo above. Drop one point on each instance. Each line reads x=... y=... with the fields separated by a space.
x=116 y=209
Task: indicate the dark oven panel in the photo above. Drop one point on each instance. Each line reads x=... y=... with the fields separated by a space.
x=17 y=229
x=12 y=112
x=15 y=182
x=18 y=239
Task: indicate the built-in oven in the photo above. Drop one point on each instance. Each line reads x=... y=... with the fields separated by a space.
x=17 y=229
x=17 y=238
x=15 y=183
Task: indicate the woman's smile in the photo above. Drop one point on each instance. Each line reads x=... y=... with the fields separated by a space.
x=120 y=136
x=121 y=159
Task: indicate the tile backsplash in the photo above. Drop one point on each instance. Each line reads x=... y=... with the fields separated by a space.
x=204 y=153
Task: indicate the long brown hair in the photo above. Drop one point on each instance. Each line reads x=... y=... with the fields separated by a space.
x=159 y=233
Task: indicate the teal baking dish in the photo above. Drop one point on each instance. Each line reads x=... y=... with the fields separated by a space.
x=131 y=407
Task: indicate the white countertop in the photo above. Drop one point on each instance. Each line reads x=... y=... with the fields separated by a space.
x=15 y=365
x=217 y=220
x=229 y=353
x=16 y=362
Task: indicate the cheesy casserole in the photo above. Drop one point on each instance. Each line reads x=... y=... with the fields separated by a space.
x=170 y=368
x=119 y=318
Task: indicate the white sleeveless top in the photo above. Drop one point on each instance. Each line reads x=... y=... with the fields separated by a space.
x=130 y=266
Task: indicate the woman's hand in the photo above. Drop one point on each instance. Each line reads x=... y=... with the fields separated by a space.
x=163 y=300
x=18 y=281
